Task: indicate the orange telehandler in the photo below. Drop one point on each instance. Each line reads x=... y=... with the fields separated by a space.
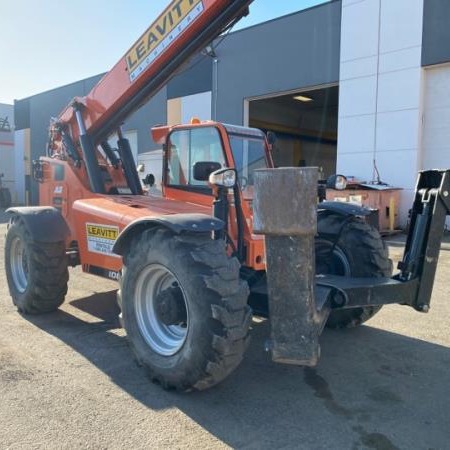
x=230 y=236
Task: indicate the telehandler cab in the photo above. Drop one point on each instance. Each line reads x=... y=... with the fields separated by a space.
x=230 y=234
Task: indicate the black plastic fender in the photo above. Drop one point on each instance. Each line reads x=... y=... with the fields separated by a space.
x=44 y=223
x=344 y=208
x=177 y=223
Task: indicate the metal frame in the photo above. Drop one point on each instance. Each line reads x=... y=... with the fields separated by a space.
x=413 y=286
x=299 y=314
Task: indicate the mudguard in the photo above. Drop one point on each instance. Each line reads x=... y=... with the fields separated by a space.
x=177 y=223
x=344 y=208
x=44 y=223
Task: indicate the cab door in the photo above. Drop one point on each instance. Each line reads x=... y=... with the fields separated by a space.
x=186 y=147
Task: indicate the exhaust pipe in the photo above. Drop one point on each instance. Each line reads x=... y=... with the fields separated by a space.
x=285 y=211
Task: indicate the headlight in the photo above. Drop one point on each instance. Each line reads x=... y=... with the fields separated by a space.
x=338 y=182
x=223 y=177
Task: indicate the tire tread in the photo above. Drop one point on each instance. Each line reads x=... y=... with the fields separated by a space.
x=367 y=255
x=228 y=322
x=47 y=286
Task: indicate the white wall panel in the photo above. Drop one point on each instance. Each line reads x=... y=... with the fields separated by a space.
x=400 y=165
x=357 y=96
x=436 y=128
x=359 y=33
x=401 y=24
x=357 y=68
x=398 y=130
x=380 y=98
x=350 y=2
x=183 y=109
x=197 y=105
x=405 y=58
x=435 y=152
x=399 y=90
x=360 y=167
x=356 y=134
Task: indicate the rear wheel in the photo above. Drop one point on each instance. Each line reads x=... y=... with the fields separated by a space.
x=36 y=272
x=350 y=247
x=184 y=308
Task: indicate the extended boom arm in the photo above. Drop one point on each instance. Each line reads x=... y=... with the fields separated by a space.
x=184 y=28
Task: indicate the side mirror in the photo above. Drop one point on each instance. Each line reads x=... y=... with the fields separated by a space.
x=224 y=177
x=203 y=169
x=149 y=180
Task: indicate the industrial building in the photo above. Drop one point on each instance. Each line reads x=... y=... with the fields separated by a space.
x=358 y=87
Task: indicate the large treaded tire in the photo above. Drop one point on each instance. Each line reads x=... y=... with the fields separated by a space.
x=36 y=272
x=218 y=317
x=359 y=252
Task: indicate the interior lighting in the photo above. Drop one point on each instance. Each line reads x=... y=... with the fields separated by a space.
x=302 y=98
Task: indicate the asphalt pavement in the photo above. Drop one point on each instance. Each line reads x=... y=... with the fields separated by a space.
x=68 y=380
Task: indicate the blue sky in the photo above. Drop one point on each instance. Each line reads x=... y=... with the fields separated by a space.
x=50 y=43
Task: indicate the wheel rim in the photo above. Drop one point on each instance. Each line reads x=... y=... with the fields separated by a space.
x=19 y=265
x=165 y=340
x=331 y=260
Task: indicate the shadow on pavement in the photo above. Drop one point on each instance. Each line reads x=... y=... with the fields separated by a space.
x=372 y=388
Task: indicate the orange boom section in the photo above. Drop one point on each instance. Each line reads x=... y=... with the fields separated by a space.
x=183 y=29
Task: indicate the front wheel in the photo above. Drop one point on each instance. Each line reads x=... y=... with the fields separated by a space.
x=350 y=247
x=184 y=308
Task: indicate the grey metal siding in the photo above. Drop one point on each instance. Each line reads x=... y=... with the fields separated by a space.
x=152 y=113
x=293 y=52
x=436 y=32
x=193 y=79
x=22 y=114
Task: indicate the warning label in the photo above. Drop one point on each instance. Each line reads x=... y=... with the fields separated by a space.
x=101 y=238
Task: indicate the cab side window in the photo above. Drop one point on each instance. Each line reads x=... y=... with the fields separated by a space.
x=188 y=147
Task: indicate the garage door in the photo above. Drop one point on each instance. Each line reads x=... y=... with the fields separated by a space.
x=436 y=121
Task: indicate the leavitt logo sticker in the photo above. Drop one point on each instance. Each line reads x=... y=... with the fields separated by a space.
x=101 y=238
x=161 y=34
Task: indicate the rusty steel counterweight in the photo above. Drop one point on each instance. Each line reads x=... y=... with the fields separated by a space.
x=285 y=211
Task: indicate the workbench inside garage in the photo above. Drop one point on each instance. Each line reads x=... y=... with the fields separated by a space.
x=381 y=198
